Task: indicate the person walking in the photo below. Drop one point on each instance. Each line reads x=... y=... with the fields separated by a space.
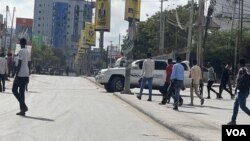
x=196 y=77
x=211 y=79
x=224 y=82
x=22 y=77
x=67 y=71
x=168 y=87
x=177 y=78
x=243 y=92
x=3 y=71
x=10 y=62
x=167 y=94
x=147 y=76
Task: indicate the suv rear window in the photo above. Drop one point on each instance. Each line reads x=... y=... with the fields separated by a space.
x=160 y=65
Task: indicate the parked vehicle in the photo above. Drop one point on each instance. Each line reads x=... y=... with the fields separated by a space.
x=113 y=79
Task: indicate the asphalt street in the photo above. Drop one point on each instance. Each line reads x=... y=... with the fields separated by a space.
x=195 y=123
x=74 y=109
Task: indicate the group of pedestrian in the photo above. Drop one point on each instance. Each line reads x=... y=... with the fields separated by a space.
x=174 y=80
x=21 y=75
x=175 y=83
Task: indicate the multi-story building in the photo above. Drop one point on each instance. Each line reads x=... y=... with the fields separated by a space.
x=24 y=28
x=226 y=10
x=59 y=23
x=1 y=30
x=43 y=20
x=79 y=12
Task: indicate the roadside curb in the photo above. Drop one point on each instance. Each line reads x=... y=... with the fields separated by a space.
x=188 y=136
x=91 y=80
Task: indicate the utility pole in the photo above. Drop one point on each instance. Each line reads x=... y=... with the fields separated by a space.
x=131 y=36
x=14 y=9
x=110 y=54
x=161 y=47
x=6 y=28
x=231 y=40
x=200 y=33
x=129 y=65
x=189 y=44
x=101 y=46
x=241 y=24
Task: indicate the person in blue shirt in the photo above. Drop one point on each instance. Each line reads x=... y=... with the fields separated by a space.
x=177 y=78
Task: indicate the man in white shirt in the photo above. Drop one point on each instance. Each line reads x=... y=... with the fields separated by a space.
x=147 y=75
x=196 y=77
x=22 y=77
x=3 y=71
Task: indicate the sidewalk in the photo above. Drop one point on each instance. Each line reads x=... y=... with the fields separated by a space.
x=195 y=123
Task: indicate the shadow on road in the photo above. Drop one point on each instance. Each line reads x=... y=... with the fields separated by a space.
x=39 y=118
x=193 y=112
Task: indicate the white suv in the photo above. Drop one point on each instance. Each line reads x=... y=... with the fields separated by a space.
x=113 y=78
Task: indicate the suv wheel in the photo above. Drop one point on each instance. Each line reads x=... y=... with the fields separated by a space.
x=107 y=88
x=116 y=84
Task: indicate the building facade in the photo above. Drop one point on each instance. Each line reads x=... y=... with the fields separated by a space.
x=24 y=28
x=79 y=12
x=227 y=10
x=43 y=20
x=59 y=24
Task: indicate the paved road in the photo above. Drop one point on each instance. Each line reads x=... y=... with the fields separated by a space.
x=195 y=123
x=74 y=109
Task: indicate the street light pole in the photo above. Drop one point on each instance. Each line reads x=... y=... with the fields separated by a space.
x=161 y=29
x=14 y=9
x=110 y=54
x=189 y=44
x=6 y=28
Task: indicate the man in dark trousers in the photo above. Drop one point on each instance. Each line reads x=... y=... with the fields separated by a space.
x=22 y=77
x=225 y=78
x=177 y=78
x=243 y=92
x=168 y=88
x=211 y=79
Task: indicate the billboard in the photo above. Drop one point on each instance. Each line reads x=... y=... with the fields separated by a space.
x=132 y=10
x=82 y=40
x=102 y=15
x=37 y=41
x=24 y=28
x=90 y=34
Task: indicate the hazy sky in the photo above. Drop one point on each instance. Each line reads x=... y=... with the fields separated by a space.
x=25 y=8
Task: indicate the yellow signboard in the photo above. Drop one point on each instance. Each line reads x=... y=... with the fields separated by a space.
x=82 y=40
x=132 y=10
x=81 y=51
x=90 y=33
x=102 y=15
